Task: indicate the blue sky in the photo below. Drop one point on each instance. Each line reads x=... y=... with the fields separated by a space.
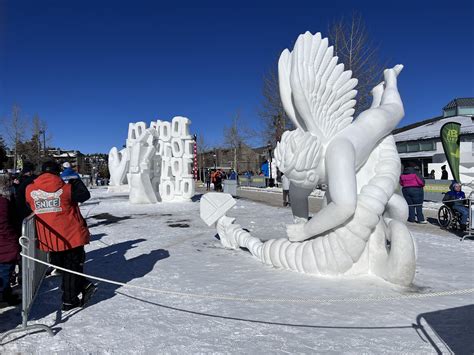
x=90 y=67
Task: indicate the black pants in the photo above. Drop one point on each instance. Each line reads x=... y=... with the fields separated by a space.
x=72 y=284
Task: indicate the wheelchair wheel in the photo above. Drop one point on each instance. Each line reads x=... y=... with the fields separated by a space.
x=445 y=217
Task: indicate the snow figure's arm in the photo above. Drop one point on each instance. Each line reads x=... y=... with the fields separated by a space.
x=340 y=168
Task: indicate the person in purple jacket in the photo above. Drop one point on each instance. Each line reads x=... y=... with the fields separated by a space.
x=412 y=188
x=9 y=246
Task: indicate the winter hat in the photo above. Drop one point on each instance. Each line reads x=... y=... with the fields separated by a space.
x=51 y=167
x=5 y=184
x=66 y=165
x=27 y=168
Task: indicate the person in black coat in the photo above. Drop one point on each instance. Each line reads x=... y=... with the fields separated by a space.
x=26 y=177
x=444 y=173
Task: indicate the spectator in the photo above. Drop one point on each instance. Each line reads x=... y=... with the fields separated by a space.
x=444 y=173
x=27 y=176
x=208 y=179
x=431 y=175
x=62 y=230
x=68 y=173
x=285 y=182
x=458 y=204
x=9 y=247
x=218 y=181
x=412 y=188
x=233 y=175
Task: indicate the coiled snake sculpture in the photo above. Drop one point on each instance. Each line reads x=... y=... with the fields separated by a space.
x=361 y=227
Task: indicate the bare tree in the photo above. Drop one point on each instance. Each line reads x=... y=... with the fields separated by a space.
x=202 y=148
x=272 y=115
x=353 y=46
x=236 y=135
x=15 y=128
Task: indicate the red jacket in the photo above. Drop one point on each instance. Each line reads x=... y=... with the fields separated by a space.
x=59 y=223
x=9 y=246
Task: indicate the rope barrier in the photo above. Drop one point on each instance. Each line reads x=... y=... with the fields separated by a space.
x=459 y=199
x=256 y=300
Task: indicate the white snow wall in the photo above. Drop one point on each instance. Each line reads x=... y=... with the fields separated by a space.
x=159 y=162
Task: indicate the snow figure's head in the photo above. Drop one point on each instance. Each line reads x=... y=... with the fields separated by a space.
x=297 y=156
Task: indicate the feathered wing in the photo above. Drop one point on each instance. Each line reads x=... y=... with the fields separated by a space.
x=316 y=92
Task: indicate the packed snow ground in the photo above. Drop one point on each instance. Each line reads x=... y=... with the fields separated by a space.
x=168 y=247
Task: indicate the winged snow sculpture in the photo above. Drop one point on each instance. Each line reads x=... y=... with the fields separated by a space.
x=361 y=227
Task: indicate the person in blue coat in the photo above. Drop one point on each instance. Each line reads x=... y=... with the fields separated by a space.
x=458 y=200
x=68 y=173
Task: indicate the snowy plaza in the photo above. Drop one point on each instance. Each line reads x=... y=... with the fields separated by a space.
x=230 y=178
x=225 y=301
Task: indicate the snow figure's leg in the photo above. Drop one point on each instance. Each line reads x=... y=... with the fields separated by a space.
x=299 y=201
x=397 y=263
x=397 y=208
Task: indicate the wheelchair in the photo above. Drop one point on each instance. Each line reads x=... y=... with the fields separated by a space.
x=448 y=218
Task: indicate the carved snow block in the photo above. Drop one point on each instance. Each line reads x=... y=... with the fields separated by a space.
x=167 y=150
x=180 y=127
x=141 y=190
x=164 y=131
x=177 y=167
x=118 y=166
x=215 y=205
x=155 y=125
x=167 y=190
x=187 y=168
x=166 y=172
x=160 y=147
x=187 y=188
x=135 y=160
x=177 y=188
x=188 y=148
x=135 y=131
x=177 y=147
x=155 y=183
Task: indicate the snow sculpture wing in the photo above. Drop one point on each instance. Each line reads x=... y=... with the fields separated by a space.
x=316 y=92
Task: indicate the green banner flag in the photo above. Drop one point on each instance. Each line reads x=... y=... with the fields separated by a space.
x=450 y=137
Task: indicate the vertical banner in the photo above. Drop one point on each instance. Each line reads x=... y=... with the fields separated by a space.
x=450 y=137
x=195 y=168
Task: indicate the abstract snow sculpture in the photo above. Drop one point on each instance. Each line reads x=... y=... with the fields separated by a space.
x=140 y=176
x=174 y=141
x=361 y=227
x=156 y=162
x=118 y=166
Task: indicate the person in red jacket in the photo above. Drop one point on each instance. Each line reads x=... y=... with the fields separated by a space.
x=9 y=235
x=61 y=229
x=412 y=188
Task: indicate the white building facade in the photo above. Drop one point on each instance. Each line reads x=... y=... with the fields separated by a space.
x=421 y=143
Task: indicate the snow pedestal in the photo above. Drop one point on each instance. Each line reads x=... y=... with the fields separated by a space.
x=230 y=187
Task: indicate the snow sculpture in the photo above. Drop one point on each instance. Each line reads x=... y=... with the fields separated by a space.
x=118 y=168
x=361 y=227
x=157 y=161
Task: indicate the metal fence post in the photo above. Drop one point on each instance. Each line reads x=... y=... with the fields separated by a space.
x=32 y=276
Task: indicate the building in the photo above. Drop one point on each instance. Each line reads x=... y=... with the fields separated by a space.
x=75 y=157
x=421 y=143
x=248 y=159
